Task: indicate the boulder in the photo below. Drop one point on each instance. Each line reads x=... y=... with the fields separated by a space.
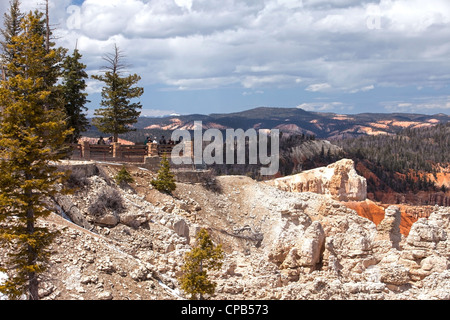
x=108 y=220
x=104 y=295
x=181 y=228
x=311 y=245
x=394 y=274
x=308 y=250
x=134 y=219
x=69 y=209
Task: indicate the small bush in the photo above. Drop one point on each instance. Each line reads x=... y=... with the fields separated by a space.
x=123 y=177
x=108 y=199
x=165 y=182
x=209 y=182
x=77 y=178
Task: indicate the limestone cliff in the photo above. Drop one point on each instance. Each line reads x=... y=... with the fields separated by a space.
x=338 y=180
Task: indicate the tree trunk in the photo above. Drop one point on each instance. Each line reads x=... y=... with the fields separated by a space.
x=47 y=27
x=32 y=254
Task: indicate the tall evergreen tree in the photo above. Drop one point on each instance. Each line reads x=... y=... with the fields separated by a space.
x=118 y=112
x=11 y=29
x=75 y=98
x=53 y=62
x=32 y=137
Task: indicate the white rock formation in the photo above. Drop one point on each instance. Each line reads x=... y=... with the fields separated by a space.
x=338 y=180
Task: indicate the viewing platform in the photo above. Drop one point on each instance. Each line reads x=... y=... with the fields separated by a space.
x=117 y=152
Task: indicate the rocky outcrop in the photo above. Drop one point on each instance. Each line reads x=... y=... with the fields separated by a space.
x=338 y=180
x=427 y=247
x=308 y=250
x=389 y=227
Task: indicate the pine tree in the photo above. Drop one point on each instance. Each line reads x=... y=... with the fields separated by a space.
x=32 y=135
x=165 y=181
x=118 y=113
x=75 y=98
x=203 y=257
x=9 y=32
x=123 y=177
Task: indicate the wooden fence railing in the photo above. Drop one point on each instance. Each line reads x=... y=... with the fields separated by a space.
x=118 y=152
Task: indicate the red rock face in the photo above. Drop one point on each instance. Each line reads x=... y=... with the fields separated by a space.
x=367 y=209
x=375 y=212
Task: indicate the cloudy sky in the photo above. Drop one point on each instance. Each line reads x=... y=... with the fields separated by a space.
x=211 y=56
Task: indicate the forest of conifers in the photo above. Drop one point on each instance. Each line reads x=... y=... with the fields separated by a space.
x=410 y=153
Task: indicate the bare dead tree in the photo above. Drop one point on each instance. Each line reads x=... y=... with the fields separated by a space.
x=49 y=28
x=114 y=61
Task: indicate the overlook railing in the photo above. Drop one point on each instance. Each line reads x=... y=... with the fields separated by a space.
x=119 y=152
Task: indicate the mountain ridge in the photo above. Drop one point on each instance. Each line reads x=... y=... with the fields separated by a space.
x=297 y=120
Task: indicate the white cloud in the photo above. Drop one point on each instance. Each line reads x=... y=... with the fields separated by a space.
x=363 y=89
x=187 y=4
x=272 y=43
x=318 y=87
x=250 y=93
x=324 y=106
x=326 y=45
x=420 y=105
x=291 y=4
x=93 y=86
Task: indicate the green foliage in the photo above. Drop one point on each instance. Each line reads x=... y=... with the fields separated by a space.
x=203 y=257
x=75 y=98
x=416 y=149
x=118 y=113
x=165 y=182
x=32 y=136
x=123 y=176
x=410 y=152
x=9 y=32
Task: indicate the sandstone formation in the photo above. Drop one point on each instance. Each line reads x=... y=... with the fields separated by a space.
x=338 y=180
x=389 y=227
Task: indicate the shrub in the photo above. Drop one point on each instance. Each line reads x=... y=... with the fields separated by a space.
x=77 y=179
x=123 y=177
x=165 y=182
x=204 y=257
x=108 y=199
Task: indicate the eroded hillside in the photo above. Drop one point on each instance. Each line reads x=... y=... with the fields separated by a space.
x=278 y=244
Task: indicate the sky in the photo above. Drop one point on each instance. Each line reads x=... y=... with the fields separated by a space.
x=221 y=56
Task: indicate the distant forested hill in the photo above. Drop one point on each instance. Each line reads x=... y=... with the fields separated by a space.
x=403 y=162
x=417 y=149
